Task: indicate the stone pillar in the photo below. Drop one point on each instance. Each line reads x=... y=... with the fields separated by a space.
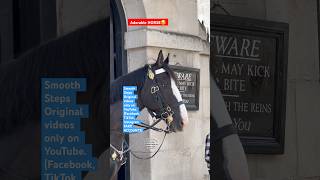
x=182 y=154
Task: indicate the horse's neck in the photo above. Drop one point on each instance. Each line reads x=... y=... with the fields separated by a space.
x=19 y=150
x=116 y=134
x=135 y=78
x=116 y=116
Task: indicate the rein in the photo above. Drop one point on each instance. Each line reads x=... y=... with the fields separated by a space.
x=119 y=155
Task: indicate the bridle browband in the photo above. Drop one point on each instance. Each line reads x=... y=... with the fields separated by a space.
x=165 y=113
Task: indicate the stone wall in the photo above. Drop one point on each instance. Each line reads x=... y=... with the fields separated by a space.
x=302 y=146
x=182 y=154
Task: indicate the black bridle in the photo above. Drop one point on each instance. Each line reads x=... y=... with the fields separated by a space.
x=164 y=113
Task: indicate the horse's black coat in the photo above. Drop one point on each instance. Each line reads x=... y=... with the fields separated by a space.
x=83 y=53
x=135 y=78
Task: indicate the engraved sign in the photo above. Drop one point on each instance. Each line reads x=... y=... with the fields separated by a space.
x=248 y=63
x=188 y=85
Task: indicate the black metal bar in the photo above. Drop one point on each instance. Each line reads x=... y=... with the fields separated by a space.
x=48 y=19
x=120 y=58
x=318 y=19
x=0 y=50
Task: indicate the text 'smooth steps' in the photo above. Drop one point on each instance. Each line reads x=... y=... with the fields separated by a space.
x=64 y=154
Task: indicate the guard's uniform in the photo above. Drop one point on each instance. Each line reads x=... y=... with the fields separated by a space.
x=207 y=151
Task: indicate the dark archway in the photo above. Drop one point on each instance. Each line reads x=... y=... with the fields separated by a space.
x=118 y=24
x=34 y=22
x=25 y=24
x=118 y=63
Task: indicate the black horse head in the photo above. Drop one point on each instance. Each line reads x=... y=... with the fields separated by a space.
x=161 y=96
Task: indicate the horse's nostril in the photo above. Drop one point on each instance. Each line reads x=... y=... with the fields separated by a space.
x=184 y=122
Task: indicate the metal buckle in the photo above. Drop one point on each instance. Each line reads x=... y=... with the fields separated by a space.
x=150 y=74
x=169 y=119
x=154 y=89
x=164 y=115
x=114 y=156
x=168 y=108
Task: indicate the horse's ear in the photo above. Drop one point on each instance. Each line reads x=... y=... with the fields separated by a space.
x=160 y=59
x=167 y=59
